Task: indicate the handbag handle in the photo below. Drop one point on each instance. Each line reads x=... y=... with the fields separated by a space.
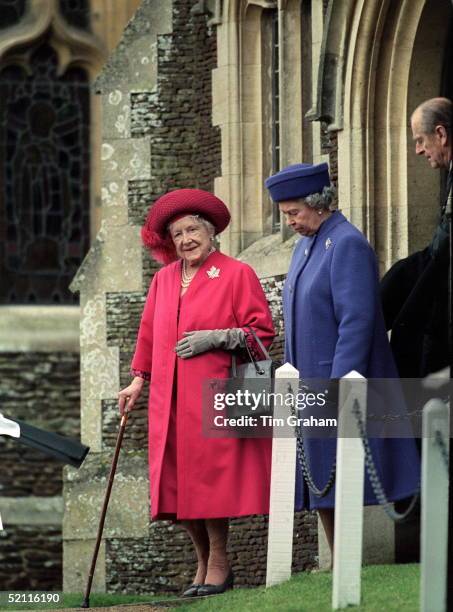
x=258 y=341
x=259 y=370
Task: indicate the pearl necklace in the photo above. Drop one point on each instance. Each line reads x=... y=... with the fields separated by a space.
x=187 y=278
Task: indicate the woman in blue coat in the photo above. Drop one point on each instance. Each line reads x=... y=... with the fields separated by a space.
x=334 y=324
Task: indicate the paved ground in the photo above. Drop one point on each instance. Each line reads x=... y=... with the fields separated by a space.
x=132 y=607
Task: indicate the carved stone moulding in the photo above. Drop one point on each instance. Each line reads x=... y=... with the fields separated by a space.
x=44 y=21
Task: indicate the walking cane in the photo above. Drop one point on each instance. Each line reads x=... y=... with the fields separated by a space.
x=86 y=599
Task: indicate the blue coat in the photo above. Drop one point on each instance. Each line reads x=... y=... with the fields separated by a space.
x=334 y=324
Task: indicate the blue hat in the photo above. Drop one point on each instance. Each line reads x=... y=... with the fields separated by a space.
x=298 y=181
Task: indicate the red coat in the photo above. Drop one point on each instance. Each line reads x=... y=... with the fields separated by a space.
x=215 y=477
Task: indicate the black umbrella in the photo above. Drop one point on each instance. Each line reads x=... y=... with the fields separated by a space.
x=66 y=450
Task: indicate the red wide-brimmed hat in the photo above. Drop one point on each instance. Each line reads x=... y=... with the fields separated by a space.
x=175 y=204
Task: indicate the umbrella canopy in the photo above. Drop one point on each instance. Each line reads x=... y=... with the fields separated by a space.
x=66 y=450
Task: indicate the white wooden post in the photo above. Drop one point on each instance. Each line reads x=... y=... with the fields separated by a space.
x=281 y=505
x=434 y=509
x=349 y=490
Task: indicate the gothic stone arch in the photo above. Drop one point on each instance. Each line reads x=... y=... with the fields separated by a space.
x=379 y=60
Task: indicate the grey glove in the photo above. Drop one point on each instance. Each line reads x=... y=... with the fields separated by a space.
x=196 y=342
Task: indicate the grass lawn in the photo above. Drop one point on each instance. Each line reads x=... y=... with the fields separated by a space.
x=384 y=588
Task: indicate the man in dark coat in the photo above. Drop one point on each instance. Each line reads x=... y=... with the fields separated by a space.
x=415 y=290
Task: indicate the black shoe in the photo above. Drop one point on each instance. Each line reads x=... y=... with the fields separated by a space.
x=216 y=589
x=192 y=591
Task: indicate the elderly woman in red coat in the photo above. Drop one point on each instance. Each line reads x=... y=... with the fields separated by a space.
x=196 y=312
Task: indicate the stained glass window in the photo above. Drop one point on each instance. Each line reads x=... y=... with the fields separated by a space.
x=76 y=12
x=11 y=11
x=44 y=180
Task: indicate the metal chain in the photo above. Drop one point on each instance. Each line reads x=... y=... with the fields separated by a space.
x=373 y=475
x=305 y=468
x=439 y=440
x=394 y=417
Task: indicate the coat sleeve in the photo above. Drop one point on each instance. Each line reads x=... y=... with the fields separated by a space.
x=250 y=308
x=399 y=282
x=353 y=279
x=142 y=360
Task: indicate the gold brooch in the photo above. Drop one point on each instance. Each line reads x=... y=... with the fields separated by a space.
x=213 y=272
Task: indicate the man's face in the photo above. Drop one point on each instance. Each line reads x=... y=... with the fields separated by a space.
x=433 y=146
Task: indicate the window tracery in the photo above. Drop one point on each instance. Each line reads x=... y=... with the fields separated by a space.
x=46 y=63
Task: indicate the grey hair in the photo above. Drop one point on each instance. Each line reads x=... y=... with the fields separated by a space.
x=322 y=201
x=208 y=225
x=434 y=112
